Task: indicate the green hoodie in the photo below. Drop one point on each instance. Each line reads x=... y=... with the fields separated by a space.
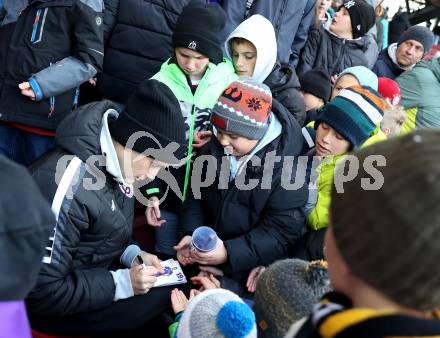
x=195 y=107
x=420 y=88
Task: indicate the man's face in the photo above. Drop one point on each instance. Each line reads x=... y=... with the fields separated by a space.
x=329 y=142
x=193 y=63
x=235 y=145
x=244 y=57
x=409 y=53
x=341 y=24
x=141 y=167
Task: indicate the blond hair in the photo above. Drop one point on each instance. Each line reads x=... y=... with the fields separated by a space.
x=393 y=119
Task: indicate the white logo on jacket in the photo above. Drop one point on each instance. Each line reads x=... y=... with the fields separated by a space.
x=113 y=205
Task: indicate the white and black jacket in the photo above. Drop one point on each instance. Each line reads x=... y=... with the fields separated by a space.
x=94 y=219
x=55 y=45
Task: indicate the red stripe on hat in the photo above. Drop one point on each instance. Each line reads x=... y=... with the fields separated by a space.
x=219 y=122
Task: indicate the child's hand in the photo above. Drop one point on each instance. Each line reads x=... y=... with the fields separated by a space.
x=183 y=250
x=206 y=270
x=93 y=81
x=178 y=300
x=215 y=257
x=152 y=213
x=27 y=90
x=206 y=283
x=201 y=138
x=254 y=275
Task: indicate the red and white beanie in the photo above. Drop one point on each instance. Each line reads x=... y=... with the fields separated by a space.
x=243 y=109
x=390 y=90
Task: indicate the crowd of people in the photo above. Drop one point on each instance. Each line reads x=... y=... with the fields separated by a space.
x=302 y=134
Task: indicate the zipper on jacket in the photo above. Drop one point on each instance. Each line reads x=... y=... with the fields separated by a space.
x=51 y=101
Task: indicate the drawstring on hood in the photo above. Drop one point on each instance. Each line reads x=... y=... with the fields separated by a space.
x=260 y=32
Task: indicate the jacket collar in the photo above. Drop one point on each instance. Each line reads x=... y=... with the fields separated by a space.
x=108 y=149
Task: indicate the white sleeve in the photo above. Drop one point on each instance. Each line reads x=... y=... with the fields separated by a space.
x=122 y=281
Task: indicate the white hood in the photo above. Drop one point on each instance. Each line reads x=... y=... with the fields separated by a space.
x=259 y=31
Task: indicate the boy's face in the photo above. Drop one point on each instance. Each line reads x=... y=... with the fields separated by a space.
x=235 y=145
x=329 y=142
x=311 y=101
x=341 y=24
x=193 y=63
x=409 y=53
x=244 y=57
x=345 y=81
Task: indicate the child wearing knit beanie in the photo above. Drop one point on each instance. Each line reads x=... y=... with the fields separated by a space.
x=344 y=44
x=196 y=74
x=344 y=124
x=394 y=115
x=212 y=313
x=382 y=246
x=286 y=292
x=315 y=89
x=355 y=76
x=256 y=224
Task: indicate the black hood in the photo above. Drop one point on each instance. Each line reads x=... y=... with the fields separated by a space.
x=283 y=77
x=291 y=139
x=79 y=133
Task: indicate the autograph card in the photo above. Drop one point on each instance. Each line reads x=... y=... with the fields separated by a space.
x=173 y=274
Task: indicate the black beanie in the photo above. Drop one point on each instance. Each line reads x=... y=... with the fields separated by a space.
x=316 y=82
x=362 y=16
x=154 y=109
x=199 y=28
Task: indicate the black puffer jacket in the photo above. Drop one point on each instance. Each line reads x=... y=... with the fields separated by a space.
x=257 y=225
x=285 y=86
x=94 y=223
x=331 y=53
x=138 y=44
x=56 y=45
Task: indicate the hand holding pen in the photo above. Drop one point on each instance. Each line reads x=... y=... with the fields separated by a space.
x=143 y=273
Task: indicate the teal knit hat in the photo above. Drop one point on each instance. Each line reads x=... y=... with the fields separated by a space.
x=355 y=113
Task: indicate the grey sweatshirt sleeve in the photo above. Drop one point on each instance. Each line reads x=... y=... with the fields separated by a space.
x=61 y=77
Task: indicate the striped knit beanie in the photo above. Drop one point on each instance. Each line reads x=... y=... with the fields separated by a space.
x=243 y=109
x=355 y=113
x=394 y=247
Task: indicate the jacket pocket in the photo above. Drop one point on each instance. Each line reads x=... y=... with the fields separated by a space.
x=38 y=25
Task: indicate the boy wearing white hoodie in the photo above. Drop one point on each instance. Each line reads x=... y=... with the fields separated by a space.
x=252 y=46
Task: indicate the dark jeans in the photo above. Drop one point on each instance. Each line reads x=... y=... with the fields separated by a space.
x=166 y=234
x=21 y=146
x=126 y=316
